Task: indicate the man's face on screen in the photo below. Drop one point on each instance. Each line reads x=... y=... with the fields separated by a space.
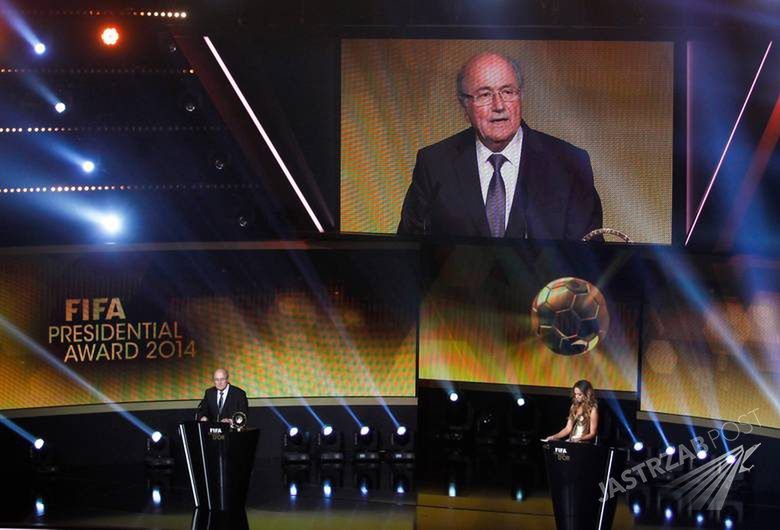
x=497 y=121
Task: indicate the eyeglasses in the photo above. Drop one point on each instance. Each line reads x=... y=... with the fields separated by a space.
x=485 y=97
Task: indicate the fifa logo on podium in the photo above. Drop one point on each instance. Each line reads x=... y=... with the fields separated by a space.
x=561 y=454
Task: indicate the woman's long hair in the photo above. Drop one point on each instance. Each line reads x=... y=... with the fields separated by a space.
x=588 y=404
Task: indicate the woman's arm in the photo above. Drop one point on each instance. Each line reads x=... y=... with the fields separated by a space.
x=594 y=427
x=563 y=433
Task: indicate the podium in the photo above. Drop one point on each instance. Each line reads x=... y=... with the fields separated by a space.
x=575 y=472
x=219 y=463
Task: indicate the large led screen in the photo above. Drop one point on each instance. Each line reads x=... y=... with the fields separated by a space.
x=477 y=323
x=613 y=100
x=126 y=327
x=711 y=347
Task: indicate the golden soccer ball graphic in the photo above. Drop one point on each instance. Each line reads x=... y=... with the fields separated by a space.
x=569 y=315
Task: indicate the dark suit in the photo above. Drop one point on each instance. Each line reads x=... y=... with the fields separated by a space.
x=554 y=197
x=234 y=401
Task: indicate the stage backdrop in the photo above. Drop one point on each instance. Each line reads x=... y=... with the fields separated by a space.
x=125 y=327
x=475 y=320
x=613 y=99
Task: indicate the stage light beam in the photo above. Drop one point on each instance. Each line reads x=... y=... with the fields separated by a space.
x=39 y=48
x=88 y=166
x=39 y=443
x=60 y=107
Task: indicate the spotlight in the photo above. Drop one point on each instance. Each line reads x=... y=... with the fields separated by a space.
x=670 y=450
x=111 y=223
x=60 y=107
x=519 y=495
x=730 y=459
x=668 y=514
x=295 y=445
x=638 y=446
x=109 y=36
x=452 y=490
x=365 y=444
x=39 y=48
x=521 y=424
x=158 y=451
x=699 y=519
x=327 y=489
x=701 y=454
x=402 y=475
x=401 y=444
x=330 y=444
x=728 y=523
x=454 y=396
x=88 y=166
x=156 y=496
x=638 y=501
x=488 y=429
x=42 y=457
x=293 y=489
x=40 y=507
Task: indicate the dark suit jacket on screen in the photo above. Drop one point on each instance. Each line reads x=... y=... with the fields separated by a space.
x=554 y=198
x=234 y=401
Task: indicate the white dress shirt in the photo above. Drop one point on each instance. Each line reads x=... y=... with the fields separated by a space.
x=509 y=170
x=224 y=396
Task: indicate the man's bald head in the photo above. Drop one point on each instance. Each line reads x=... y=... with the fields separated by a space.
x=221 y=378
x=476 y=61
x=490 y=91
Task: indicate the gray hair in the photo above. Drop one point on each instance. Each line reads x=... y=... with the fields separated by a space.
x=514 y=63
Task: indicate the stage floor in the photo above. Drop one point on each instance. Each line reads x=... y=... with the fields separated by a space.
x=464 y=495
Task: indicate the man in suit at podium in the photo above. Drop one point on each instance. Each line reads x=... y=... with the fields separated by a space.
x=222 y=400
x=499 y=177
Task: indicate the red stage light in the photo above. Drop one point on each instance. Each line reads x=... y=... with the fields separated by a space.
x=109 y=36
